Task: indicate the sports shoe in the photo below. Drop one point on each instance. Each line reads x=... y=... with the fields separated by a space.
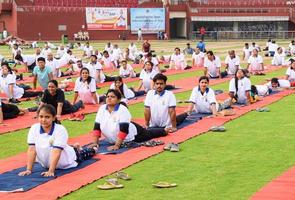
x=167 y=147
x=80 y=117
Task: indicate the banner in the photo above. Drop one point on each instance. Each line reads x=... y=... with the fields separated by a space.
x=150 y=20
x=106 y=18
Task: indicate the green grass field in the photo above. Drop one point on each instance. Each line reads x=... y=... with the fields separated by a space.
x=256 y=147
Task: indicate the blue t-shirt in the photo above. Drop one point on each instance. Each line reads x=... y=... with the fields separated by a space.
x=42 y=75
x=201 y=46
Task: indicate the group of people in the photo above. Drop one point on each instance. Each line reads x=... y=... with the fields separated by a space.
x=47 y=139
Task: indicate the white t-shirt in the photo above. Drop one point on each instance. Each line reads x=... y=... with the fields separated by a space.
x=45 y=52
x=110 y=123
x=204 y=101
x=117 y=54
x=45 y=142
x=126 y=72
x=128 y=94
x=108 y=62
x=255 y=62
x=93 y=70
x=60 y=52
x=29 y=59
x=262 y=90
x=109 y=49
x=88 y=50
x=133 y=49
x=273 y=47
x=244 y=85
x=292 y=48
x=154 y=61
x=199 y=58
x=291 y=73
x=146 y=78
x=233 y=64
x=282 y=84
x=177 y=58
x=212 y=66
x=247 y=53
x=278 y=59
x=139 y=33
x=14 y=51
x=85 y=90
x=54 y=66
x=159 y=106
x=10 y=79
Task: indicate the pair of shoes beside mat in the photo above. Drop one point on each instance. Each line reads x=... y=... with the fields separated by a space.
x=172 y=147
x=113 y=183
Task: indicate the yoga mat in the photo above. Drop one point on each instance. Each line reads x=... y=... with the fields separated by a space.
x=11 y=182
x=111 y=164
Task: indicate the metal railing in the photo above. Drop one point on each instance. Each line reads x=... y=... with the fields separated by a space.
x=254 y=35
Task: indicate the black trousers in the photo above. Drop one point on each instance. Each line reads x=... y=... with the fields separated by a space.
x=69 y=108
x=10 y=111
x=109 y=78
x=154 y=132
x=28 y=94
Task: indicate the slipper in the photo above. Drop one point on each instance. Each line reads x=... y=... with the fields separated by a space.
x=107 y=186
x=264 y=109
x=217 y=129
x=164 y=185
x=123 y=176
x=167 y=147
x=174 y=147
x=111 y=183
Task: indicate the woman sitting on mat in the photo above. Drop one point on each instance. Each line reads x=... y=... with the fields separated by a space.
x=113 y=121
x=85 y=88
x=239 y=88
x=13 y=91
x=126 y=93
x=203 y=100
x=126 y=70
x=47 y=142
x=56 y=97
x=146 y=76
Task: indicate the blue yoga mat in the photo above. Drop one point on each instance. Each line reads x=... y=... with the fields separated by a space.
x=192 y=118
x=103 y=144
x=11 y=182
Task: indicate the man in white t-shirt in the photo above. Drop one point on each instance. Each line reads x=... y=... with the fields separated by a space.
x=88 y=50
x=232 y=63
x=160 y=106
x=133 y=49
x=279 y=57
x=61 y=51
x=95 y=69
x=109 y=48
x=212 y=65
x=29 y=61
x=255 y=63
x=198 y=58
x=246 y=52
x=277 y=84
x=46 y=51
x=117 y=55
x=54 y=66
x=272 y=48
x=107 y=61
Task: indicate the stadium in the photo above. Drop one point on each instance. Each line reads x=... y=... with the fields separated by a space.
x=147 y=99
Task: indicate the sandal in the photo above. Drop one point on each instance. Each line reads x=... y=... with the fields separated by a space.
x=164 y=185
x=174 y=147
x=111 y=183
x=217 y=129
x=264 y=109
x=123 y=176
x=167 y=147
